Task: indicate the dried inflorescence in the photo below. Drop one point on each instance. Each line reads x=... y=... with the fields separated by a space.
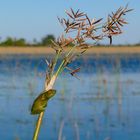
x=83 y=28
x=79 y=28
x=114 y=22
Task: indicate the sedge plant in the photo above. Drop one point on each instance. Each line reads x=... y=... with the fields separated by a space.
x=78 y=30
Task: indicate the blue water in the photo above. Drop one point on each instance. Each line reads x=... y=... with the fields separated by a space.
x=102 y=105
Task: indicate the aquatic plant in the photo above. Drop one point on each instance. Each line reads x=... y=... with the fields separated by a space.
x=78 y=30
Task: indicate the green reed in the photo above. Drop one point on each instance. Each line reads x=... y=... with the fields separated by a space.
x=84 y=29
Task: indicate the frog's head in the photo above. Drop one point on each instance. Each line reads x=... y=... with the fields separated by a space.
x=50 y=93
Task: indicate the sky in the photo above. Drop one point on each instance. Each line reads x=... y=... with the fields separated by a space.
x=33 y=19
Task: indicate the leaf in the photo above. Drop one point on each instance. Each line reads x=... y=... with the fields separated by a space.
x=77 y=11
x=75 y=71
x=88 y=20
x=80 y=14
x=97 y=21
x=129 y=10
x=69 y=14
x=72 y=12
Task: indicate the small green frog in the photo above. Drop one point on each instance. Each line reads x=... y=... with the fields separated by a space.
x=40 y=103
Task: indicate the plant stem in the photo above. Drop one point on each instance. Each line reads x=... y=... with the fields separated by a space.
x=40 y=117
x=38 y=124
x=61 y=68
x=47 y=87
x=55 y=62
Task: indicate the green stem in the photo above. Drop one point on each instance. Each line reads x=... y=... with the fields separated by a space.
x=40 y=117
x=55 y=62
x=38 y=125
x=61 y=68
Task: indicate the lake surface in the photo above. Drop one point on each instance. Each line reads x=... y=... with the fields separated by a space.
x=103 y=105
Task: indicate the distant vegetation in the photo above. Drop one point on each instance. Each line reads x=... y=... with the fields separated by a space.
x=45 y=41
x=13 y=42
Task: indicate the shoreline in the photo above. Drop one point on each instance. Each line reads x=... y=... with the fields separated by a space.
x=47 y=50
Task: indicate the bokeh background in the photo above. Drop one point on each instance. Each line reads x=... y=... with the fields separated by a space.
x=102 y=105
